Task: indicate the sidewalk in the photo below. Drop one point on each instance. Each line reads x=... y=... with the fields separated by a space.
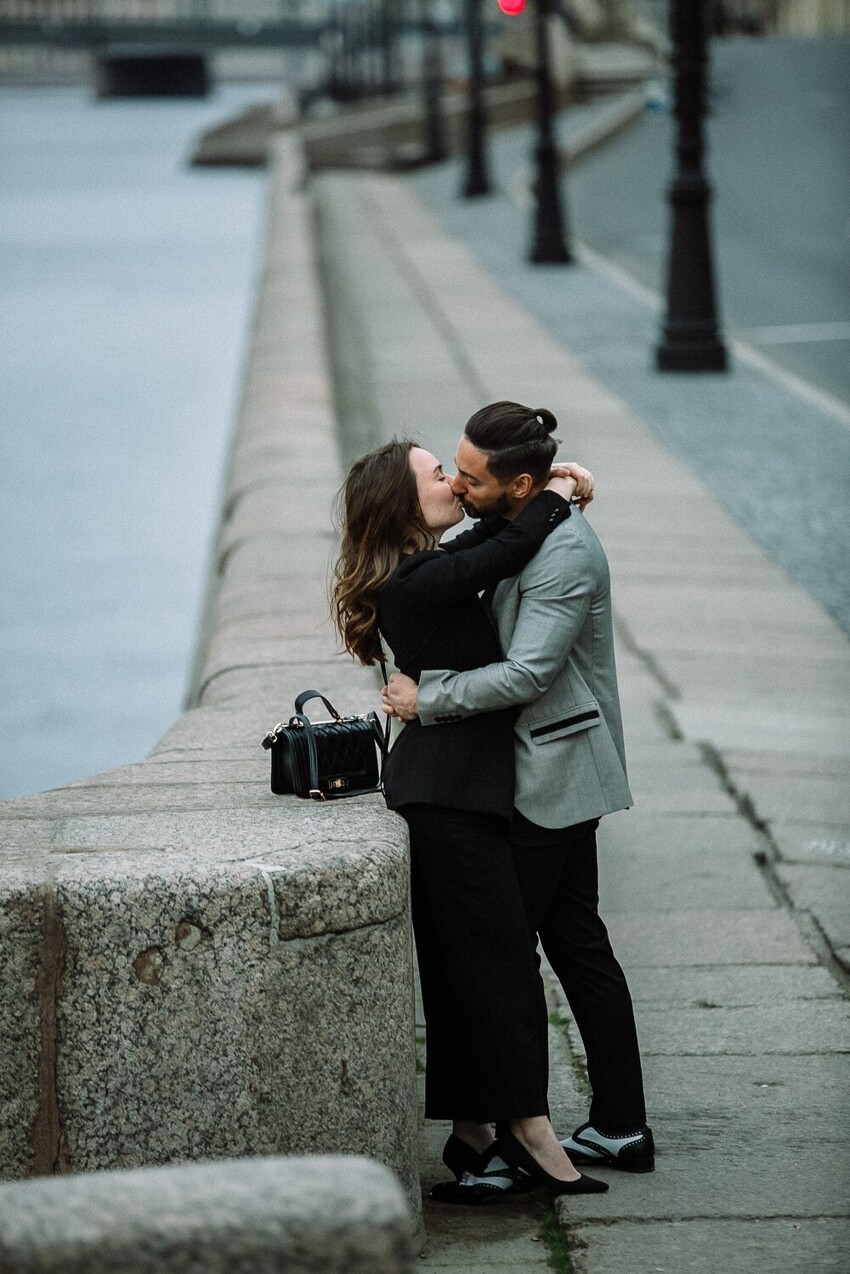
x=723 y=887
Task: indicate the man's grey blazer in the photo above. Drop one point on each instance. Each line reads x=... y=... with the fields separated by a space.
x=554 y=622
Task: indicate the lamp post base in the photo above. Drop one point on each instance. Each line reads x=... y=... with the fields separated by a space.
x=690 y=356
x=475 y=186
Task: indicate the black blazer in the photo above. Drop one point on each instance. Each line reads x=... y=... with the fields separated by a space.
x=430 y=613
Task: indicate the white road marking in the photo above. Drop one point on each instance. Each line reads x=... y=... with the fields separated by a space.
x=819 y=398
x=797 y=333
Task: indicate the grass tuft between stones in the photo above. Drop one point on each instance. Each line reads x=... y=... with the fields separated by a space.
x=554 y=1237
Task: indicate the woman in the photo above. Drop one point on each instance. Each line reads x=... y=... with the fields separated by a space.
x=454 y=787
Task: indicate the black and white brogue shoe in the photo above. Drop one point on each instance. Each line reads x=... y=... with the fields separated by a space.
x=630 y=1151
x=492 y=1181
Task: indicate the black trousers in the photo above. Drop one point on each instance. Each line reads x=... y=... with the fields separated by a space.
x=560 y=890
x=477 y=969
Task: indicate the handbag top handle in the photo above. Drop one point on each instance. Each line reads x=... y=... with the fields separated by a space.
x=383 y=739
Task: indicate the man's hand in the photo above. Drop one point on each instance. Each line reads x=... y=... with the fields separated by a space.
x=398 y=699
x=583 y=479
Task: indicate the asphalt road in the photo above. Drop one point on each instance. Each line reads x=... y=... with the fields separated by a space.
x=779 y=159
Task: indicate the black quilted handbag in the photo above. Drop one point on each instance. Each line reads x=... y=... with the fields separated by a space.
x=325 y=760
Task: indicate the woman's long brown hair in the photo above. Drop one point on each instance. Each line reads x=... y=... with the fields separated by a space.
x=378 y=508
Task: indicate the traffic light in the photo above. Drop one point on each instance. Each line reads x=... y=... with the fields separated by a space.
x=511 y=7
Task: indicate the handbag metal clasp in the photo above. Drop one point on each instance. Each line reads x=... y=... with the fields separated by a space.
x=317 y=795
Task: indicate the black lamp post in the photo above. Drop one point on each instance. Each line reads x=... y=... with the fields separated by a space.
x=690 y=341
x=477 y=181
x=388 y=58
x=548 y=245
x=372 y=39
x=332 y=41
x=432 y=85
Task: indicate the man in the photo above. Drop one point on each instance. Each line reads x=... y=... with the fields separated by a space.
x=554 y=623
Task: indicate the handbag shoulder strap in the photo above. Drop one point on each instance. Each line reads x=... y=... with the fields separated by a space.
x=385 y=745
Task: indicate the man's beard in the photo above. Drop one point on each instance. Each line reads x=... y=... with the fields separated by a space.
x=498 y=508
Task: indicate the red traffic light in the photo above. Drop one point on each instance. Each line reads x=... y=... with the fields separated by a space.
x=511 y=7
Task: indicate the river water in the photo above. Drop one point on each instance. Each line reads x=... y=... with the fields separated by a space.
x=127 y=281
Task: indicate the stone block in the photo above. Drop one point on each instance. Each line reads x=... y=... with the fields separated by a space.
x=274 y=553
x=27 y=923
x=284 y=1029
x=269 y=693
x=238 y=649
x=271 y=598
x=331 y=1215
x=262 y=509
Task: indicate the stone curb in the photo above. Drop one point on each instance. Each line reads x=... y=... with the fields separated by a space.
x=193 y=967
x=333 y=1215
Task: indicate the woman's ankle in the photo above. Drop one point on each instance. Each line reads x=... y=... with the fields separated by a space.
x=478 y=1136
x=535 y=1130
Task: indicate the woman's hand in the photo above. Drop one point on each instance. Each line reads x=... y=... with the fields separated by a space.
x=398 y=699
x=582 y=479
x=562 y=483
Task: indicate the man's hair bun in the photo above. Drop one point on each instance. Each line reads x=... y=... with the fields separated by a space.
x=546 y=419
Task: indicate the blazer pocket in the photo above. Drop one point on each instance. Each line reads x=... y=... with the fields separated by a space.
x=582 y=716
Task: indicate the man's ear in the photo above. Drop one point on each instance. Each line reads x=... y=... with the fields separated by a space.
x=521 y=486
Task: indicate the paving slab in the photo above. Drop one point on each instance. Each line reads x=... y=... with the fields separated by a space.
x=505 y=1238
x=783 y=798
x=751 y=1030
x=709 y=937
x=643 y=881
x=708 y=837
x=732 y=986
x=737 y=1137
x=704 y=1247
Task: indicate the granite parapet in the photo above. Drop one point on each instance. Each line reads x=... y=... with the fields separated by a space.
x=192 y=967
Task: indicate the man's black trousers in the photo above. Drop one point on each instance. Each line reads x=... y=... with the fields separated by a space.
x=479 y=903
x=559 y=882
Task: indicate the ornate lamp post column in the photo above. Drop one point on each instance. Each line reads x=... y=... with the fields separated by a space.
x=549 y=241
x=477 y=181
x=388 y=50
x=690 y=341
x=432 y=85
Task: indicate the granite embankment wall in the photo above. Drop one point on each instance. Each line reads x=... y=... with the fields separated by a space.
x=191 y=967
